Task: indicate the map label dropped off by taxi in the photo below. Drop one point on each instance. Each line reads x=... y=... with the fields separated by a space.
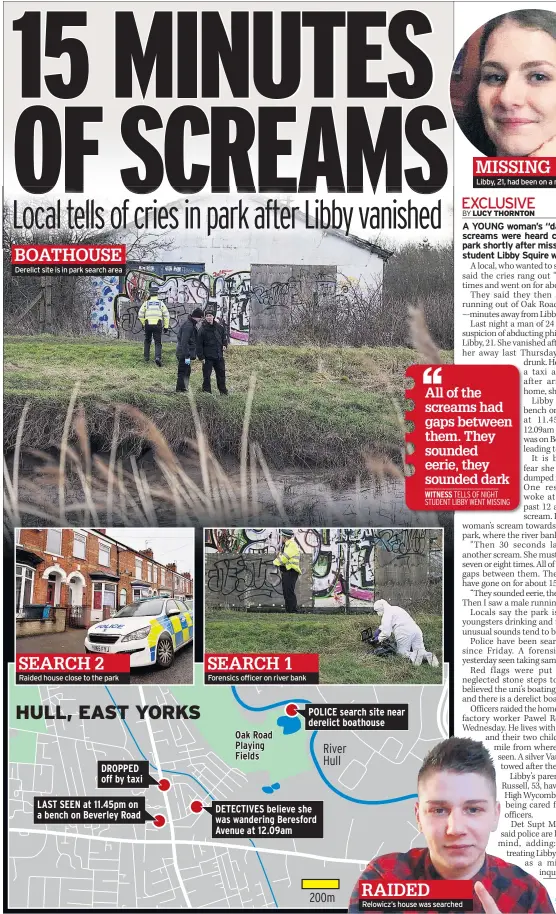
x=124 y=774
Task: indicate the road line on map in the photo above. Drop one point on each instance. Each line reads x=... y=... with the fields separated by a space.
x=196 y=843
x=193 y=778
x=169 y=818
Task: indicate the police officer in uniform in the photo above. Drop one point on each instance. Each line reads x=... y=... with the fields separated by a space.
x=288 y=561
x=154 y=315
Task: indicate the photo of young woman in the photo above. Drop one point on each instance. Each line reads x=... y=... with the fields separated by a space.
x=511 y=108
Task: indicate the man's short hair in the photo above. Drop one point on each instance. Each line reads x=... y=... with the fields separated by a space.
x=464 y=756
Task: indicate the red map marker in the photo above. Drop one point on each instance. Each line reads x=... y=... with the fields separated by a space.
x=164 y=784
x=196 y=806
x=291 y=710
x=159 y=821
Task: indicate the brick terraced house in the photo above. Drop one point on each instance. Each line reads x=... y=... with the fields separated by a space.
x=86 y=568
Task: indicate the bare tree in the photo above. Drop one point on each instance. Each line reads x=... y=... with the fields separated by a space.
x=71 y=296
x=355 y=313
x=350 y=314
x=422 y=276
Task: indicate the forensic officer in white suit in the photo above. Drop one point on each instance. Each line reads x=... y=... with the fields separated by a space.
x=409 y=638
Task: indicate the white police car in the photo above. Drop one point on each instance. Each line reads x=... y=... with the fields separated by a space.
x=150 y=631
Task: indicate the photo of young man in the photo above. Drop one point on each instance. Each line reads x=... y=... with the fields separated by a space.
x=456 y=812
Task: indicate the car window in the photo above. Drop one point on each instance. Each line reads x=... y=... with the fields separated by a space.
x=171 y=607
x=145 y=608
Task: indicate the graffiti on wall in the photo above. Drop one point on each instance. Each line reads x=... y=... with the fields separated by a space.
x=105 y=292
x=343 y=566
x=111 y=293
x=229 y=291
x=243 y=579
x=341 y=558
x=240 y=540
x=410 y=548
x=277 y=294
x=411 y=541
x=282 y=294
x=238 y=301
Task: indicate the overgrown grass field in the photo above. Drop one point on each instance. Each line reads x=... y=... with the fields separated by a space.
x=313 y=406
x=336 y=638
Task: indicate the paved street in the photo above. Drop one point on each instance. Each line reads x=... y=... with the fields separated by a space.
x=72 y=642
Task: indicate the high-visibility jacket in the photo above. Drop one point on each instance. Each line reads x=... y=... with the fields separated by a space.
x=153 y=311
x=289 y=558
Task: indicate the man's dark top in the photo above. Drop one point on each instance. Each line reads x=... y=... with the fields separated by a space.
x=187 y=340
x=211 y=340
x=513 y=890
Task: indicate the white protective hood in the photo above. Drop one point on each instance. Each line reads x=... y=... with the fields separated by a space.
x=381 y=606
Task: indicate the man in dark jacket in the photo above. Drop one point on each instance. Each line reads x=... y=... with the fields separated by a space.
x=186 y=350
x=212 y=340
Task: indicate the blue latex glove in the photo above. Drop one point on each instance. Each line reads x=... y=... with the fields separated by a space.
x=187 y=361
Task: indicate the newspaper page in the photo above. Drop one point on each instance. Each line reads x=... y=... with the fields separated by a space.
x=504 y=314
x=277 y=442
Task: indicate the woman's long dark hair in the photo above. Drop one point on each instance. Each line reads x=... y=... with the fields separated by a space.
x=472 y=122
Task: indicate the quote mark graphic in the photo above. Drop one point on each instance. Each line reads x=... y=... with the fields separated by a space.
x=432 y=377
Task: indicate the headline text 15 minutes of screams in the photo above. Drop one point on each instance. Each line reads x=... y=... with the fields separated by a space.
x=246 y=55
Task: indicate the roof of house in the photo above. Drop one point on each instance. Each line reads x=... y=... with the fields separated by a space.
x=137 y=552
x=372 y=248
x=358 y=242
